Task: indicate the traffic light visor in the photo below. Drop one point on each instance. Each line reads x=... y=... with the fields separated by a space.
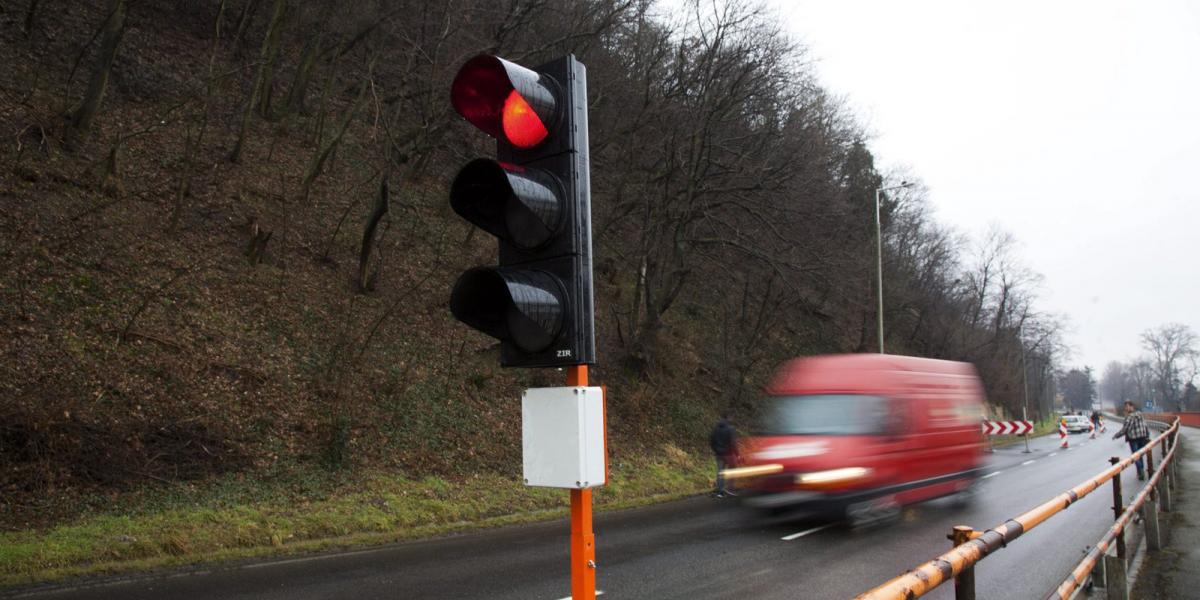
x=507 y=101
x=520 y=206
x=518 y=306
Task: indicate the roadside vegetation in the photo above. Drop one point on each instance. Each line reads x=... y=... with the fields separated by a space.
x=231 y=518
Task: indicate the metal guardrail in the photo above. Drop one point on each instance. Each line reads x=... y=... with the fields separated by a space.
x=1113 y=571
x=970 y=546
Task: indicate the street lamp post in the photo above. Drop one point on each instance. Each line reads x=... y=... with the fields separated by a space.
x=879 y=256
x=1025 y=377
x=1025 y=383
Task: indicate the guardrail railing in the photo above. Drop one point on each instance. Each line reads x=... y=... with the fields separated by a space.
x=971 y=546
x=1112 y=568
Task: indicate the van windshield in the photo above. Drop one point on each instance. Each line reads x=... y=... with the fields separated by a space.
x=824 y=414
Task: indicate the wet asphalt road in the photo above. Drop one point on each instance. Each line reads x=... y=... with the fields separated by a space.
x=694 y=549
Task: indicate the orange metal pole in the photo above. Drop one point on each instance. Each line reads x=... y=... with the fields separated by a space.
x=964 y=582
x=583 y=541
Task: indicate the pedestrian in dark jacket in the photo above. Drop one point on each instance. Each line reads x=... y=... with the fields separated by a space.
x=722 y=440
x=1136 y=433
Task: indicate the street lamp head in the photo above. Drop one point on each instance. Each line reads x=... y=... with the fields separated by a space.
x=903 y=184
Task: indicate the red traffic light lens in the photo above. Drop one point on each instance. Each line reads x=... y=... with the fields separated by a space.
x=522 y=126
x=507 y=101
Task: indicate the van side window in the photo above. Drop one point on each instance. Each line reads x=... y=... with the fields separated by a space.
x=948 y=413
x=825 y=414
x=897 y=419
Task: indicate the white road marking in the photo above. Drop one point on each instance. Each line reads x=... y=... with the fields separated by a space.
x=788 y=538
x=598 y=593
x=1029 y=462
x=1052 y=454
x=992 y=474
x=1070 y=448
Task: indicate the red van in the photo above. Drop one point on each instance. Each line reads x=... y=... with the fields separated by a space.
x=860 y=435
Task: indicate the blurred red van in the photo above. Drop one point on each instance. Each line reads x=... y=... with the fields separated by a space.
x=860 y=435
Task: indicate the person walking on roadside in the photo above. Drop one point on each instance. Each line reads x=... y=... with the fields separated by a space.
x=722 y=441
x=1136 y=433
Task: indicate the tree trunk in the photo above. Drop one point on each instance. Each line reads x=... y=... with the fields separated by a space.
x=267 y=86
x=256 y=248
x=365 y=280
x=30 y=17
x=269 y=45
x=84 y=115
x=248 y=11
x=193 y=144
x=308 y=58
x=326 y=90
x=323 y=152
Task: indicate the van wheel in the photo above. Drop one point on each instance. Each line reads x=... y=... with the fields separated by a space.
x=968 y=496
x=871 y=513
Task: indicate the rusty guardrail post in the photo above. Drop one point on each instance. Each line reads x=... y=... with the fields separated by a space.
x=1173 y=471
x=1150 y=468
x=1164 y=487
x=1167 y=466
x=1118 y=507
x=1150 y=518
x=1115 y=585
x=1099 y=575
x=964 y=582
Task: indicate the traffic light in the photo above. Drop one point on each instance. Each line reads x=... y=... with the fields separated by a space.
x=535 y=198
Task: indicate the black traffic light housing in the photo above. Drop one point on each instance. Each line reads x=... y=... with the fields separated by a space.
x=535 y=198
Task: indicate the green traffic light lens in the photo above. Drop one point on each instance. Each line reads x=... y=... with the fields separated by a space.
x=524 y=307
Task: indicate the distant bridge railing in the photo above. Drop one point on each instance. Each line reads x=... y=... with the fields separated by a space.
x=1190 y=419
x=971 y=546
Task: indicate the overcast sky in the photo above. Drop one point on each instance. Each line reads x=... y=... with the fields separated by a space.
x=1073 y=125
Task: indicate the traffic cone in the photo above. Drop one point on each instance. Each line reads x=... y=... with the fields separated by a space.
x=1062 y=433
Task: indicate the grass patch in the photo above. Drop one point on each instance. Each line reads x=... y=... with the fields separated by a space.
x=245 y=519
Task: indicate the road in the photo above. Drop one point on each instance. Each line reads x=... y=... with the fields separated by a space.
x=694 y=549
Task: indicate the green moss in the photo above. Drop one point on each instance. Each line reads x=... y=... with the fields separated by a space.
x=306 y=511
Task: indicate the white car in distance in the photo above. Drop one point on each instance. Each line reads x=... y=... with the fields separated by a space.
x=1077 y=424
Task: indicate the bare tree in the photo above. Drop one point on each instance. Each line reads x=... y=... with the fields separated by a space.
x=1141 y=376
x=262 y=76
x=366 y=279
x=84 y=114
x=1173 y=354
x=716 y=149
x=1116 y=385
x=194 y=142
